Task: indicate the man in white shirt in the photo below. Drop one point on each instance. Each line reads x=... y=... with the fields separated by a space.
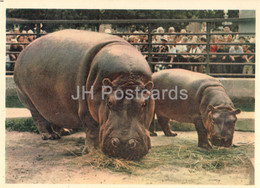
x=236 y=49
x=182 y=49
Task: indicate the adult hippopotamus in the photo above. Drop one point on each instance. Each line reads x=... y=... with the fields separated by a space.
x=54 y=70
x=197 y=98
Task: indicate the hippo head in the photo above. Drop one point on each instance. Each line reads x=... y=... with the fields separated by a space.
x=221 y=125
x=125 y=119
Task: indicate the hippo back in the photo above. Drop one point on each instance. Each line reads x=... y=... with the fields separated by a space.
x=184 y=110
x=51 y=68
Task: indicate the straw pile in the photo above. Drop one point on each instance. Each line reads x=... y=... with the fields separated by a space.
x=190 y=157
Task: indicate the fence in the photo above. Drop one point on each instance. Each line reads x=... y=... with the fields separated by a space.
x=208 y=64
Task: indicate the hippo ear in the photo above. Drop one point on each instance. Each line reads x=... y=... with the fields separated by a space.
x=237 y=111
x=211 y=108
x=107 y=82
x=149 y=86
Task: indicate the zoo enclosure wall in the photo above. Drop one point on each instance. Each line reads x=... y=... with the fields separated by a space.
x=150 y=25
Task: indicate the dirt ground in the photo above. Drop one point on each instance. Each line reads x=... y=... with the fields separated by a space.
x=32 y=160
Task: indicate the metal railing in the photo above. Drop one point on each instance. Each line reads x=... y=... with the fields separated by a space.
x=150 y=24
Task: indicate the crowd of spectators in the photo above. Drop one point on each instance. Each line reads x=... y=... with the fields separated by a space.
x=197 y=45
x=172 y=50
x=17 y=41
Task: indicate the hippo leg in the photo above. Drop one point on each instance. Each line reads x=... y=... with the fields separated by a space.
x=164 y=123
x=152 y=129
x=62 y=131
x=92 y=135
x=202 y=135
x=44 y=127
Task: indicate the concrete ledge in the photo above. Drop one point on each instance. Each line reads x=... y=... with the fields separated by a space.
x=239 y=87
x=10 y=86
x=245 y=122
x=235 y=87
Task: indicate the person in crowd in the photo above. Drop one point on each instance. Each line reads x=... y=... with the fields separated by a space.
x=228 y=39
x=160 y=30
x=196 y=58
x=17 y=32
x=162 y=57
x=8 y=40
x=242 y=39
x=8 y=66
x=23 y=33
x=144 y=48
x=20 y=39
x=172 y=50
x=179 y=38
x=248 y=69
x=213 y=48
x=13 y=56
x=154 y=37
x=221 y=58
x=190 y=37
x=181 y=49
x=227 y=31
x=15 y=48
x=252 y=40
x=237 y=50
x=25 y=38
x=31 y=36
x=171 y=37
x=155 y=47
x=164 y=48
x=131 y=39
x=252 y=49
x=125 y=37
x=108 y=31
x=142 y=39
x=203 y=30
x=136 y=40
x=202 y=45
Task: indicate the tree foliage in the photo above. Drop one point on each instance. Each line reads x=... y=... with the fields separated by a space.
x=101 y=14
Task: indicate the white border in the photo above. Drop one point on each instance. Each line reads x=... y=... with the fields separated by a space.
x=121 y=4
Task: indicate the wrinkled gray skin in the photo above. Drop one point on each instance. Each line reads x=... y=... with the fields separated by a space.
x=207 y=106
x=49 y=70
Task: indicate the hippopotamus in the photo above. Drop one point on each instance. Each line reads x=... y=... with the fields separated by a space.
x=196 y=98
x=68 y=79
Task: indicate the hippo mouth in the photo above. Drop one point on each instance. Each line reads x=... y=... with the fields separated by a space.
x=133 y=149
x=222 y=142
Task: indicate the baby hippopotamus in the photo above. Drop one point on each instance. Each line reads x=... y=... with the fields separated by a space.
x=197 y=98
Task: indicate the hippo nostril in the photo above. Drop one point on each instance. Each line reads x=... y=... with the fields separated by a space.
x=115 y=142
x=132 y=143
